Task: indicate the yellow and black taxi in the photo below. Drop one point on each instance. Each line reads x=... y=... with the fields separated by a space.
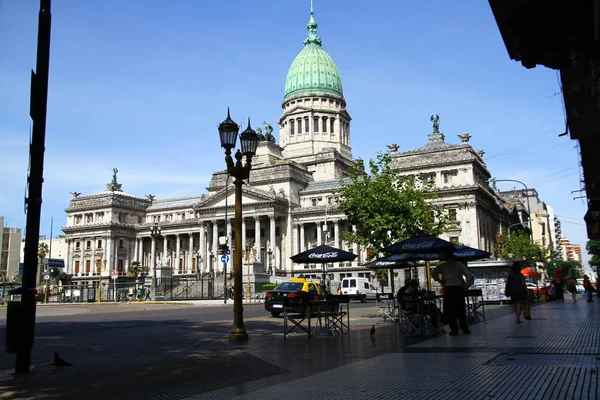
x=295 y=295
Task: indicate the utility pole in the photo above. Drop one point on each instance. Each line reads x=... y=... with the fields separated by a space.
x=21 y=318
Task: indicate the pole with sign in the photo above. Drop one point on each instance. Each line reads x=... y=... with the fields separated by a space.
x=225 y=260
x=114 y=275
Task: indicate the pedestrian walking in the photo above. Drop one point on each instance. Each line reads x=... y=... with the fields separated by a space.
x=139 y=294
x=572 y=288
x=587 y=286
x=147 y=294
x=130 y=294
x=516 y=289
x=450 y=274
x=558 y=290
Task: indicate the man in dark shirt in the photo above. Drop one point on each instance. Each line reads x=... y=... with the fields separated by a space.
x=401 y=291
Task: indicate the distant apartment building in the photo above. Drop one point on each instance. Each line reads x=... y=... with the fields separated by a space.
x=570 y=252
x=10 y=242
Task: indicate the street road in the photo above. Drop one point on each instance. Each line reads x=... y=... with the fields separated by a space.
x=108 y=333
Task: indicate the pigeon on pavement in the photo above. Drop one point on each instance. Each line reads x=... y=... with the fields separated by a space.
x=373 y=332
x=59 y=362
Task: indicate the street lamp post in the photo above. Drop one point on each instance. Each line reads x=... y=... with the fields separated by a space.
x=228 y=133
x=154 y=234
x=528 y=205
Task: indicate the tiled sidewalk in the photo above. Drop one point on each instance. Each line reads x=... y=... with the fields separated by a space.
x=554 y=356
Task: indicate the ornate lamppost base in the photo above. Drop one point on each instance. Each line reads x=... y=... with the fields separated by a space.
x=238 y=335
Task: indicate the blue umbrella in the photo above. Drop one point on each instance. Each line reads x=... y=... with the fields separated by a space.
x=463 y=253
x=394 y=261
x=422 y=244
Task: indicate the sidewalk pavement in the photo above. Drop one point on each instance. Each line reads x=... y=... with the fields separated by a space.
x=555 y=355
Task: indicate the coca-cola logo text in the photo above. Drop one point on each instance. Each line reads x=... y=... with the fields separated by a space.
x=384 y=263
x=422 y=245
x=331 y=254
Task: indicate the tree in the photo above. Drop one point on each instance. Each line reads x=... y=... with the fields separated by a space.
x=54 y=274
x=593 y=249
x=568 y=268
x=135 y=269
x=43 y=250
x=64 y=278
x=518 y=246
x=386 y=206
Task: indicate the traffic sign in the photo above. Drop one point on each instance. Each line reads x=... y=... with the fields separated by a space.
x=225 y=258
x=114 y=274
x=46 y=277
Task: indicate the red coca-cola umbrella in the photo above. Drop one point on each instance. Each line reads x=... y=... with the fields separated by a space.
x=529 y=272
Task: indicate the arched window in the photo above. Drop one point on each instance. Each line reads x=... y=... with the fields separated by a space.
x=324 y=124
x=291 y=126
x=316 y=124
x=331 y=121
x=299 y=125
x=306 y=126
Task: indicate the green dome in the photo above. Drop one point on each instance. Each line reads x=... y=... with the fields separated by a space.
x=313 y=72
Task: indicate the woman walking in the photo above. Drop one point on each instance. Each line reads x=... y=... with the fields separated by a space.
x=587 y=285
x=516 y=289
x=572 y=288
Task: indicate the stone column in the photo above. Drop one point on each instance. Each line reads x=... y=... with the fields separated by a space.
x=68 y=258
x=94 y=268
x=319 y=233
x=202 y=247
x=177 y=252
x=272 y=243
x=82 y=257
x=152 y=255
x=136 y=250
x=336 y=233
x=296 y=239
x=164 y=252
x=257 y=237
x=115 y=241
x=215 y=240
x=190 y=253
x=108 y=253
x=243 y=233
x=302 y=242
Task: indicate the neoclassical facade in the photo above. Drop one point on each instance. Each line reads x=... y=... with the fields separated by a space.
x=288 y=203
x=477 y=212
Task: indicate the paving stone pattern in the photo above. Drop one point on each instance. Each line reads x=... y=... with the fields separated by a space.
x=554 y=356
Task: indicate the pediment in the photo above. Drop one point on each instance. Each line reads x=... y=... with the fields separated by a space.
x=224 y=196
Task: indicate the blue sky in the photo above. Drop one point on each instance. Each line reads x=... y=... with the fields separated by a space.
x=141 y=86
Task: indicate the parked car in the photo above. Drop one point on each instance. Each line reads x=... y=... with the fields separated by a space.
x=295 y=294
x=532 y=286
x=358 y=289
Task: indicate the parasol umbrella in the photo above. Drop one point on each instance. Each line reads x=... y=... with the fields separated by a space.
x=422 y=243
x=394 y=261
x=462 y=253
x=529 y=272
x=323 y=254
x=433 y=248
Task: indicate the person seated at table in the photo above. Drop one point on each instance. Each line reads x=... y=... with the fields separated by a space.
x=401 y=291
x=413 y=297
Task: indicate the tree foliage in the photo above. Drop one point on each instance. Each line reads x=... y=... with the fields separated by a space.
x=518 y=246
x=43 y=250
x=593 y=249
x=386 y=206
x=135 y=269
x=572 y=269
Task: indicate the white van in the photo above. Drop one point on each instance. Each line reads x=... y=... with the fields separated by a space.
x=359 y=289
